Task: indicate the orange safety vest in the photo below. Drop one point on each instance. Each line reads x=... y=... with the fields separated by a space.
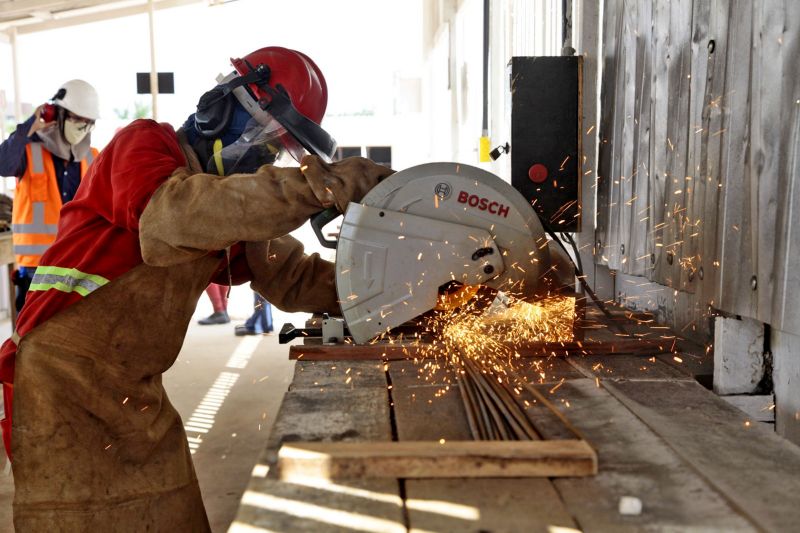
x=37 y=205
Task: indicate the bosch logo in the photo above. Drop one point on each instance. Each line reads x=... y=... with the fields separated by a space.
x=484 y=204
x=443 y=191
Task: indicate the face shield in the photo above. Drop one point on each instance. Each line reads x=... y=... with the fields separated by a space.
x=282 y=123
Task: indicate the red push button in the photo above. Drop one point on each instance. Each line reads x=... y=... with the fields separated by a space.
x=537 y=173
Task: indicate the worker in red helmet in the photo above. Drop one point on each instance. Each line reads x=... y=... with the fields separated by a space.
x=95 y=443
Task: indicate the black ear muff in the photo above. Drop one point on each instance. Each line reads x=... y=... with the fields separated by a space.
x=214 y=112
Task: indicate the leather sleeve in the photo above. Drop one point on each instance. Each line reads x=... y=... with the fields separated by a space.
x=193 y=213
x=291 y=280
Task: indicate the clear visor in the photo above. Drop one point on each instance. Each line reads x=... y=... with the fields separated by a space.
x=259 y=144
x=288 y=141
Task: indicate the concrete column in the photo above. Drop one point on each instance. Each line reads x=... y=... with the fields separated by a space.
x=738 y=355
x=153 y=69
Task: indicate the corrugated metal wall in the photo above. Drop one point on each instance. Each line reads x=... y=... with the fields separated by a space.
x=699 y=154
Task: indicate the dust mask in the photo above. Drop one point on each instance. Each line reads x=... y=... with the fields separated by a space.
x=74 y=132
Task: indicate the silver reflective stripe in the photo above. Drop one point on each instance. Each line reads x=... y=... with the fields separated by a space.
x=30 y=249
x=89 y=158
x=37 y=225
x=66 y=280
x=38 y=158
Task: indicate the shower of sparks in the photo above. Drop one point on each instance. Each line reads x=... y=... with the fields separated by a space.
x=489 y=338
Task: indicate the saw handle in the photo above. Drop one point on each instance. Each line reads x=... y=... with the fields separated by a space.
x=319 y=221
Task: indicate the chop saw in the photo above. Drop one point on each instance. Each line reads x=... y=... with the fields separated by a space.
x=430 y=227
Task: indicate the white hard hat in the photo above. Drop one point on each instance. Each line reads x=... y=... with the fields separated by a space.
x=78 y=97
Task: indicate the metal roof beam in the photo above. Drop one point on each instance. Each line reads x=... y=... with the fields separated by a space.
x=87 y=15
x=10 y=9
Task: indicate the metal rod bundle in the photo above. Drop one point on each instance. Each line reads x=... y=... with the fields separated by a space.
x=492 y=411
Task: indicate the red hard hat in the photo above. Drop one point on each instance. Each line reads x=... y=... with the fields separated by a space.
x=287 y=86
x=295 y=71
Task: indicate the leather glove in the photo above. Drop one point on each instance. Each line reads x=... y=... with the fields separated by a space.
x=342 y=182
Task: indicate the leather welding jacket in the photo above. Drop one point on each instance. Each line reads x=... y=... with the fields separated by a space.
x=96 y=445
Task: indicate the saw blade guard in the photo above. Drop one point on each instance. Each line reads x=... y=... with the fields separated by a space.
x=424 y=227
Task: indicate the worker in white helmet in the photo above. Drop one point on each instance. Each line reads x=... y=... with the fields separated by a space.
x=48 y=154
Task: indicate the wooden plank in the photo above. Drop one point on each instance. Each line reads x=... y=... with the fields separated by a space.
x=713 y=161
x=638 y=250
x=426 y=459
x=737 y=262
x=348 y=505
x=787 y=251
x=424 y=373
x=356 y=352
x=631 y=367
x=383 y=352
x=415 y=406
x=679 y=59
x=328 y=413
x=587 y=44
x=333 y=414
x=786 y=375
x=609 y=94
x=659 y=187
x=497 y=505
x=525 y=504
x=611 y=246
x=696 y=183
x=6 y=248
x=634 y=461
x=766 y=117
x=709 y=50
x=756 y=470
x=323 y=375
x=625 y=173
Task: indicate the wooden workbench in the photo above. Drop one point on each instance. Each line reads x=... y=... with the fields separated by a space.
x=7 y=258
x=694 y=461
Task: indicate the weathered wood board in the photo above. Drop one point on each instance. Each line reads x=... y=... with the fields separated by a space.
x=479 y=504
x=698 y=163
x=429 y=459
x=753 y=466
x=323 y=406
x=399 y=352
x=634 y=461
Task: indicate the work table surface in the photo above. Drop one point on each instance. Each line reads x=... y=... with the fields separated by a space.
x=694 y=461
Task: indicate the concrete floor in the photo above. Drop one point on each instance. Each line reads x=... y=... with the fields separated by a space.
x=247 y=374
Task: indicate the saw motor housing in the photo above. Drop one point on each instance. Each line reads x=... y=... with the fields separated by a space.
x=427 y=227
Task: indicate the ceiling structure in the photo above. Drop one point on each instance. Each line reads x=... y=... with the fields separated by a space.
x=28 y=16
x=19 y=17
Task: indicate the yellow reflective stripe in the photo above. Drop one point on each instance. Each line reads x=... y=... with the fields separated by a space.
x=38 y=158
x=65 y=280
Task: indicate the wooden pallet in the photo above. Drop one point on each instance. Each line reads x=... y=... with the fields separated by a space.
x=400 y=351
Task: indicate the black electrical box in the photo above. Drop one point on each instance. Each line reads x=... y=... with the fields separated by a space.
x=166 y=83
x=545 y=144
